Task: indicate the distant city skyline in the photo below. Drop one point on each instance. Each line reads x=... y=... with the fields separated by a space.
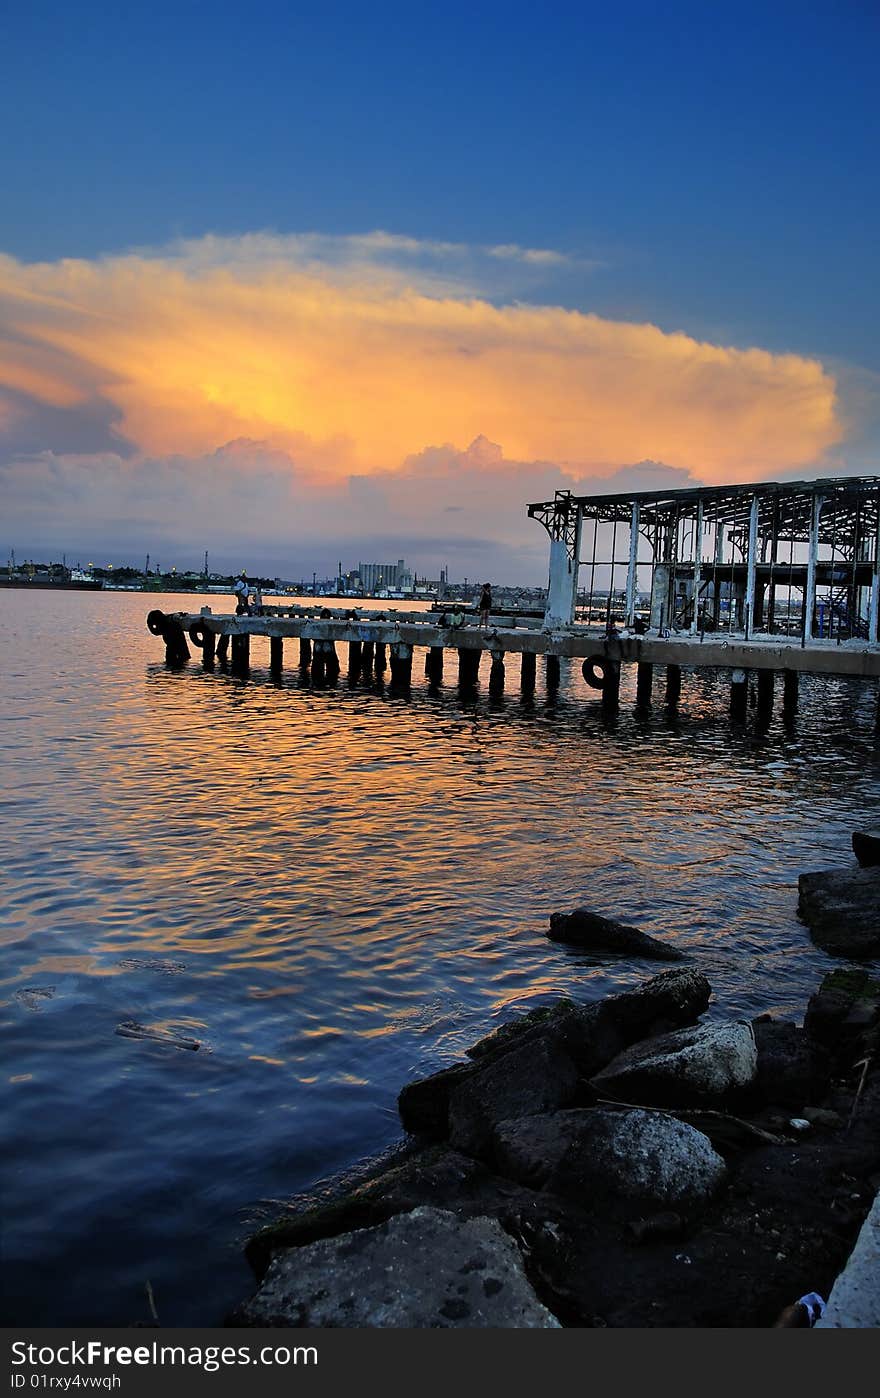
x=286 y=284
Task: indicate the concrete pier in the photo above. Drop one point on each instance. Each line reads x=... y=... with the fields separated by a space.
x=603 y=658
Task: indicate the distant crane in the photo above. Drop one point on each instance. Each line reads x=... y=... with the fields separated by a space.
x=206 y=563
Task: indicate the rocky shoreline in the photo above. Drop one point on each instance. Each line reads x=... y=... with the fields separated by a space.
x=621 y=1162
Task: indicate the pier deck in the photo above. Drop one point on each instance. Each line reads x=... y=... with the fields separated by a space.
x=379 y=641
x=851 y=657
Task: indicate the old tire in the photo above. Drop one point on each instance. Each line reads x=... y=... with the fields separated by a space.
x=156 y=622
x=595 y=671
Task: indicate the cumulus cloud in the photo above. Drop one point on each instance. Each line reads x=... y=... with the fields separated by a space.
x=336 y=360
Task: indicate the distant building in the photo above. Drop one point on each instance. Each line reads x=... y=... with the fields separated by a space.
x=377 y=577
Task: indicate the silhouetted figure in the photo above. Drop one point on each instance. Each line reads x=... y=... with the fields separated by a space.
x=485 y=604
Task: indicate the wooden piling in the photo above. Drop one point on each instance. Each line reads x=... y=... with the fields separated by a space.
x=528 y=669
x=673 y=685
x=644 y=684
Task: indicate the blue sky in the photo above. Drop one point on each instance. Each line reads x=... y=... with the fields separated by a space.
x=708 y=169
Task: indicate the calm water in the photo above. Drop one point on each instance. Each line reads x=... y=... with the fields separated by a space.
x=334 y=891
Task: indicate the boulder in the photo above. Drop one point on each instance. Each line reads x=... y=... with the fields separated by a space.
x=527 y=1148
x=642 y=1158
x=425 y=1269
x=582 y=928
x=792 y=1068
x=424 y=1104
x=690 y=1067
x=534 y=1077
x=668 y=1001
x=375 y=1191
x=534 y=1063
x=841 y=907
x=843 y=1011
x=866 y=847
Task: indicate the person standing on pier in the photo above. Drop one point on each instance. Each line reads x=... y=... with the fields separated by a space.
x=240 y=588
x=485 y=604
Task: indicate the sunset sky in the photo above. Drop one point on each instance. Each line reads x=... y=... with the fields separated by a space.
x=306 y=283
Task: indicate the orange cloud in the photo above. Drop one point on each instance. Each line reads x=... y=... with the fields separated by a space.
x=352 y=362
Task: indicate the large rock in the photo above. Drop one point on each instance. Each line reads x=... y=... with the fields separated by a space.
x=425 y=1269
x=690 y=1067
x=841 y=907
x=541 y=1060
x=582 y=928
x=370 y=1194
x=530 y=1078
x=527 y=1148
x=643 y=1158
x=792 y=1068
x=424 y=1104
x=866 y=847
x=843 y=1012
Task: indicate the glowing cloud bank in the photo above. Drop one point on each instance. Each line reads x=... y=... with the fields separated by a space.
x=347 y=358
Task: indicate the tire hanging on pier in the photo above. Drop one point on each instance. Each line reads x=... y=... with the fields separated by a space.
x=197 y=634
x=156 y=622
x=595 y=671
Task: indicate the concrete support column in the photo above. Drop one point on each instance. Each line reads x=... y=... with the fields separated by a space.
x=633 y=569
x=644 y=684
x=400 y=656
x=222 y=646
x=241 y=654
x=874 y=606
x=367 y=658
x=355 y=658
x=562 y=589
x=810 y=593
x=739 y=695
x=496 y=674
x=698 y=561
x=673 y=685
x=765 y=692
x=208 y=650
x=434 y=664
x=611 y=687
x=468 y=666
x=331 y=661
x=660 y=597
x=276 y=655
x=789 y=694
x=528 y=670
x=751 y=560
x=551 y=671
x=305 y=653
x=380 y=662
